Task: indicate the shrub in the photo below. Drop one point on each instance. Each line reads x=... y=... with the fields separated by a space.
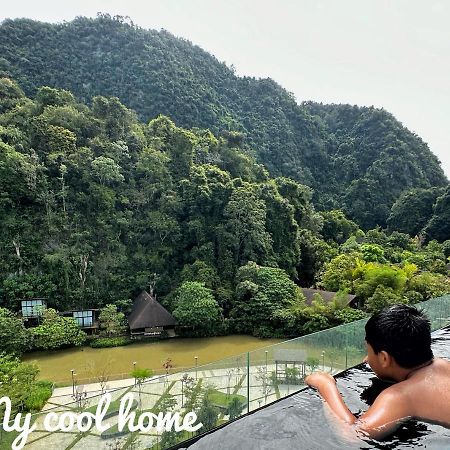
x=430 y=285
x=110 y=342
x=56 y=331
x=414 y=297
x=347 y=315
x=382 y=297
x=38 y=395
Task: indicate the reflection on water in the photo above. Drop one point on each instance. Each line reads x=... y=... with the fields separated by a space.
x=302 y=421
x=56 y=365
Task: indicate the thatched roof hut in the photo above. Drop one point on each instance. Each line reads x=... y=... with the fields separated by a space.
x=148 y=316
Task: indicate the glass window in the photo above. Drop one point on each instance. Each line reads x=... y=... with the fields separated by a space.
x=84 y=318
x=32 y=308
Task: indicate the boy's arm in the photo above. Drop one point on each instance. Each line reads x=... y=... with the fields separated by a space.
x=386 y=413
x=326 y=385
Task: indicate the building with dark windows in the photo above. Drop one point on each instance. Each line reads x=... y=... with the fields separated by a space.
x=86 y=319
x=32 y=309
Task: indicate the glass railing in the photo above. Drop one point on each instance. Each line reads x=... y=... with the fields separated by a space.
x=220 y=391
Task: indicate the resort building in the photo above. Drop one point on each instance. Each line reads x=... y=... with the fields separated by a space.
x=150 y=318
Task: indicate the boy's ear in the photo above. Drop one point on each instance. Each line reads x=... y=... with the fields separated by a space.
x=385 y=359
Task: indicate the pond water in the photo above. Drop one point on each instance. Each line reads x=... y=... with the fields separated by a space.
x=118 y=361
x=302 y=422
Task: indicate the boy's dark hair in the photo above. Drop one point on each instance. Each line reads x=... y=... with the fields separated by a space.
x=402 y=331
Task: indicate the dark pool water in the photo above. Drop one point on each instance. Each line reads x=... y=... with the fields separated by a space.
x=301 y=421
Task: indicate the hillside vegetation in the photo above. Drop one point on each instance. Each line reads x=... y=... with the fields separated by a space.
x=356 y=159
x=96 y=206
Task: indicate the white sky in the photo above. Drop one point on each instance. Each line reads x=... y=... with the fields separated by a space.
x=393 y=54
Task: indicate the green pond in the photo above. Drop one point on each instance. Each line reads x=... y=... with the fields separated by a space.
x=118 y=362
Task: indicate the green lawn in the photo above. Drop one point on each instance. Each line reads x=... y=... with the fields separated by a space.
x=223 y=400
x=6 y=439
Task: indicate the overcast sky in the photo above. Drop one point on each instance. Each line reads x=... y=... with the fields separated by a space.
x=393 y=54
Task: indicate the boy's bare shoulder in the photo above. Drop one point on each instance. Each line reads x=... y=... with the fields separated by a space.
x=423 y=395
x=421 y=388
x=426 y=392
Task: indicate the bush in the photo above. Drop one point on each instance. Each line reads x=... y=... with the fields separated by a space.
x=14 y=337
x=56 y=332
x=382 y=297
x=414 y=297
x=293 y=375
x=430 y=285
x=38 y=395
x=347 y=315
x=110 y=342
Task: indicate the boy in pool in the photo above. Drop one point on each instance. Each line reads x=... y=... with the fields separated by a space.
x=398 y=343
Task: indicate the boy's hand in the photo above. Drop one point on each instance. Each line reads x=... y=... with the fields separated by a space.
x=319 y=380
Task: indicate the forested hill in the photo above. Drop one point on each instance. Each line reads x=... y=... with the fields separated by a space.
x=358 y=159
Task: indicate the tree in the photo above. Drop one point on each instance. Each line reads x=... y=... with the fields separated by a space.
x=312 y=362
x=245 y=217
x=413 y=210
x=106 y=170
x=264 y=379
x=376 y=276
x=111 y=321
x=338 y=273
x=438 y=227
x=372 y=253
x=14 y=337
x=47 y=96
x=201 y=272
x=140 y=375
x=382 y=297
x=260 y=293
x=429 y=285
x=197 y=309
x=207 y=414
x=10 y=94
x=336 y=227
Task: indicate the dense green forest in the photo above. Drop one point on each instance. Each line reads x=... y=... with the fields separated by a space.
x=130 y=160
x=356 y=159
x=96 y=205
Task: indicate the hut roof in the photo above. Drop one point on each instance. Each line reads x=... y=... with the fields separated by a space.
x=326 y=295
x=148 y=312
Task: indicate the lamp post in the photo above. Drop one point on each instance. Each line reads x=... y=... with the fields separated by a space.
x=266 y=359
x=323 y=361
x=72 y=371
x=196 y=365
x=134 y=372
x=182 y=392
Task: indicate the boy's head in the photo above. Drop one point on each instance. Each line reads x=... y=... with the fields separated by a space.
x=400 y=332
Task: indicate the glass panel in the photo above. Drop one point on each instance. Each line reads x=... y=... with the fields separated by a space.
x=226 y=389
x=83 y=318
x=32 y=308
